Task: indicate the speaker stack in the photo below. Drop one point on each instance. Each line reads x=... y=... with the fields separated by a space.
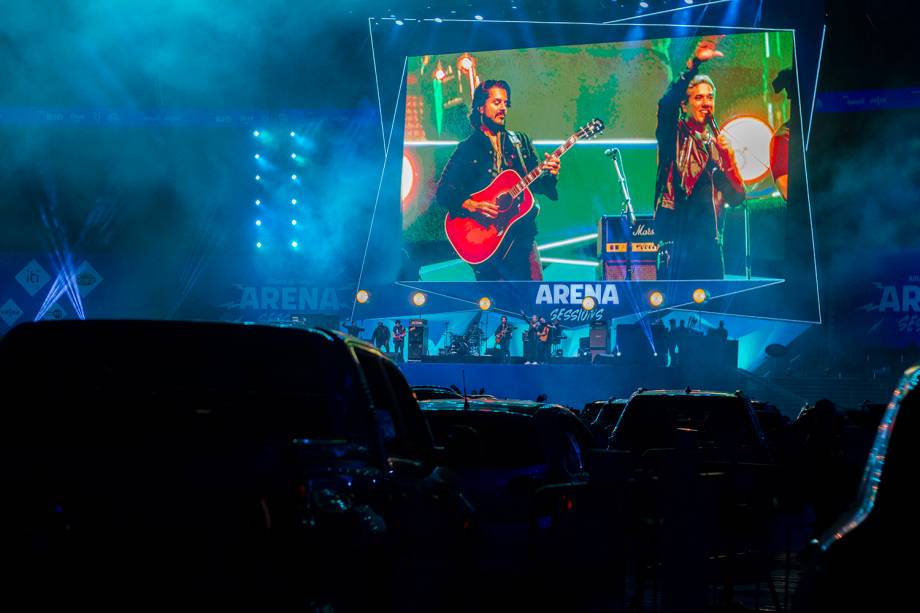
x=418 y=339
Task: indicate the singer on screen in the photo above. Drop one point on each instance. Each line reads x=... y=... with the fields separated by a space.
x=697 y=175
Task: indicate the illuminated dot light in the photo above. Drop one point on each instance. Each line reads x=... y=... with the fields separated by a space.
x=438 y=20
x=294 y=244
x=478 y=17
x=362 y=296
x=700 y=295
x=258 y=177
x=259 y=245
x=257 y=156
x=293 y=156
x=292 y=134
x=293 y=200
x=399 y=22
x=293 y=222
x=293 y=177
x=485 y=303
x=656 y=299
x=419 y=299
x=256 y=133
x=588 y=303
x=258 y=202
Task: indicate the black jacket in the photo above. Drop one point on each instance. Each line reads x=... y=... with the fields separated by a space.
x=472 y=167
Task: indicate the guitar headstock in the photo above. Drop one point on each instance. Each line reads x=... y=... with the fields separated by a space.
x=592 y=128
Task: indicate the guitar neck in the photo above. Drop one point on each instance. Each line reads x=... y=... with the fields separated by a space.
x=534 y=174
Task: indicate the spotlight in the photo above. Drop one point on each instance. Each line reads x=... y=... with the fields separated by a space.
x=700 y=295
x=588 y=303
x=259 y=245
x=292 y=134
x=256 y=133
x=258 y=202
x=485 y=303
x=656 y=299
x=478 y=17
x=293 y=177
x=293 y=200
x=293 y=222
x=258 y=222
x=258 y=177
x=399 y=22
x=644 y=5
x=438 y=20
x=257 y=156
x=293 y=156
x=419 y=299
x=294 y=244
x=362 y=296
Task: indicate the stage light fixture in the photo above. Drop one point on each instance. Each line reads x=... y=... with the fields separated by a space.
x=588 y=303
x=258 y=202
x=258 y=177
x=293 y=200
x=465 y=63
x=419 y=299
x=257 y=156
x=259 y=245
x=700 y=295
x=292 y=134
x=294 y=244
x=485 y=303
x=293 y=222
x=293 y=177
x=644 y=5
x=399 y=22
x=656 y=299
x=258 y=222
x=478 y=17
x=438 y=20
x=362 y=296
x=293 y=156
x=256 y=133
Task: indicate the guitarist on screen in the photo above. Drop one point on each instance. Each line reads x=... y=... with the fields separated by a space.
x=486 y=152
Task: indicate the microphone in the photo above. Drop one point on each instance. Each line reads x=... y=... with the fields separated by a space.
x=711 y=122
x=611 y=152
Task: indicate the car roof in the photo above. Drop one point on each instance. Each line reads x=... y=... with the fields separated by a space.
x=503 y=405
x=687 y=392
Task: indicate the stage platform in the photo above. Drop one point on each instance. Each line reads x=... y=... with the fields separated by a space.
x=568 y=381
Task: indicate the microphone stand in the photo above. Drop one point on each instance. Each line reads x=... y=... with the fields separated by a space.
x=747 y=211
x=627 y=212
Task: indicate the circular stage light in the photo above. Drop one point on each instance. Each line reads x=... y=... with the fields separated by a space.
x=419 y=299
x=750 y=138
x=656 y=299
x=362 y=296
x=700 y=295
x=588 y=303
x=485 y=303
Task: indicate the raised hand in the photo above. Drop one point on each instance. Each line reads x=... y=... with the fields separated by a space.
x=706 y=48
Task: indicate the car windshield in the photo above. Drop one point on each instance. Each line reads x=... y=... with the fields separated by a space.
x=508 y=440
x=651 y=421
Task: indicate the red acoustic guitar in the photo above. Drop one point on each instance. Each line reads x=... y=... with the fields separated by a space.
x=476 y=237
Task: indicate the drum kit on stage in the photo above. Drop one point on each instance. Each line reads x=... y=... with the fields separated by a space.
x=467 y=344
